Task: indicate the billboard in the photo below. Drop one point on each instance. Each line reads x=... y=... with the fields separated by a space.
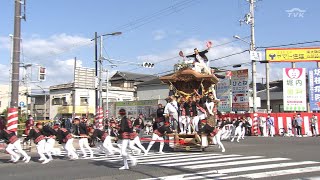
x=293 y=54
x=240 y=90
x=223 y=93
x=294 y=89
x=314 y=89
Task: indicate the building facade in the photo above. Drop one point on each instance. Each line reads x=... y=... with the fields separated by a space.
x=5 y=97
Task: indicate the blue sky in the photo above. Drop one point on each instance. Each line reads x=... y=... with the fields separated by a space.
x=56 y=26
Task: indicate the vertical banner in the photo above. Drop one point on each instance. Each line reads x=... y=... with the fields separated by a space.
x=223 y=93
x=294 y=89
x=314 y=89
x=240 y=90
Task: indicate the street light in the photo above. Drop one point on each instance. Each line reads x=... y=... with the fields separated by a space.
x=101 y=58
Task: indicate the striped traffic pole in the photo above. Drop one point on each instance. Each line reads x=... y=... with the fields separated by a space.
x=12 y=124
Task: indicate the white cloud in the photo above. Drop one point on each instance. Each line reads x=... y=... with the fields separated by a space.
x=159 y=35
x=45 y=51
x=187 y=47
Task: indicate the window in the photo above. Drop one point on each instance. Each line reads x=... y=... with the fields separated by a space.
x=56 y=101
x=84 y=101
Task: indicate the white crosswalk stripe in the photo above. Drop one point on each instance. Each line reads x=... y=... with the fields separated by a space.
x=217 y=165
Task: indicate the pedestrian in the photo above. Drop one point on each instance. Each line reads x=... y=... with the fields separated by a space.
x=81 y=130
x=171 y=111
x=299 y=124
x=160 y=113
x=28 y=125
x=214 y=132
x=13 y=143
x=50 y=136
x=126 y=131
x=139 y=125
x=40 y=142
x=262 y=123
x=65 y=137
x=158 y=136
x=294 y=125
x=270 y=125
x=238 y=130
x=313 y=124
x=105 y=138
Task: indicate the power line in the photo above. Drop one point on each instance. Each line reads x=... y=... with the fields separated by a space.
x=215 y=46
x=229 y=55
x=291 y=44
x=157 y=15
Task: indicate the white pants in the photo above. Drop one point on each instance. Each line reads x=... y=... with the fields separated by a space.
x=184 y=123
x=49 y=147
x=238 y=132
x=155 y=137
x=195 y=121
x=17 y=147
x=217 y=138
x=270 y=131
x=243 y=132
x=136 y=141
x=41 y=148
x=70 y=149
x=107 y=145
x=84 y=144
x=125 y=155
x=201 y=66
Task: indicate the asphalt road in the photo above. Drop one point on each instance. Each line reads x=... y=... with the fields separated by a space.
x=254 y=157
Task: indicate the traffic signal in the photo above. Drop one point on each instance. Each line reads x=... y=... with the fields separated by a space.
x=42 y=74
x=148 y=65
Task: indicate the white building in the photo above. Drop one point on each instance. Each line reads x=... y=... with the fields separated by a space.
x=66 y=99
x=5 y=97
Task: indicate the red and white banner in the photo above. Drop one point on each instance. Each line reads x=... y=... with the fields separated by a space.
x=282 y=122
x=99 y=118
x=12 y=124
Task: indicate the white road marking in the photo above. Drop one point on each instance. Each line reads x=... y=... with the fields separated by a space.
x=235 y=163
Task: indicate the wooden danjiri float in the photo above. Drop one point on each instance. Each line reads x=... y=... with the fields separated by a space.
x=187 y=81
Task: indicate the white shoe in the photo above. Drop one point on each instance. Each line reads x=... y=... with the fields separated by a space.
x=146 y=153
x=238 y=141
x=91 y=156
x=45 y=161
x=232 y=140
x=123 y=168
x=223 y=150
x=24 y=159
x=27 y=159
x=18 y=158
x=41 y=159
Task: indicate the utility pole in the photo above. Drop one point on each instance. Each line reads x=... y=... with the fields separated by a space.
x=252 y=48
x=100 y=72
x=268 y=86
x=16 y=56
x=74 y=89
x=10 y=69
x=96 y=67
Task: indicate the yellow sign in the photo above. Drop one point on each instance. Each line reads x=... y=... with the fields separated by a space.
x=293 y=54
